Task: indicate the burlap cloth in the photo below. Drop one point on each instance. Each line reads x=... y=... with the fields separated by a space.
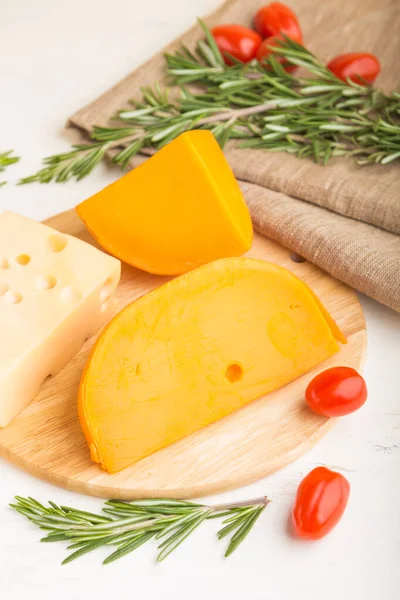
x=343 y=218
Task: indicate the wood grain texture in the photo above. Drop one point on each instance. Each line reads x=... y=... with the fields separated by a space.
x=46 y=439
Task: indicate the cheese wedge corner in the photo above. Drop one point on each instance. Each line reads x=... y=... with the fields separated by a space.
x=180 y=209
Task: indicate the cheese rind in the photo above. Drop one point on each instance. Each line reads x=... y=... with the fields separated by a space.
x=53 y=290
x=195 y=350
x=180 y=209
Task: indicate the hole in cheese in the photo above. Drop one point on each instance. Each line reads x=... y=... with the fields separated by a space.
x=4 y=287
x=56 y=243
x=45 y=282
x=107 y=290
x=4 y=264
x=13 y=297
x=68 y=294
x=22 y=260
x=234 y=373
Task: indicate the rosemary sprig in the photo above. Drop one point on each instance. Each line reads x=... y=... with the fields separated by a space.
x=5 y=160
x=317 y=117
x=128 y=525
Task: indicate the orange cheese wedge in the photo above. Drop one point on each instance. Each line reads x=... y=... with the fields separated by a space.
x=180 y=209
x=194 y=350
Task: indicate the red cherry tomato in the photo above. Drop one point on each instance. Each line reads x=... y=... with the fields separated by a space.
x=264 y=51
x=321 y=500
x=277 y=18
x=355 y=64
x=239 y=41
x=336 y=392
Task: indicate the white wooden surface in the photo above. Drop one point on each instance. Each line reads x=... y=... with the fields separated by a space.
x=54 y=56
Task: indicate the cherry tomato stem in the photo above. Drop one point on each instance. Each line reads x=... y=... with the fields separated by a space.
x=321 y=500
x=336 y=392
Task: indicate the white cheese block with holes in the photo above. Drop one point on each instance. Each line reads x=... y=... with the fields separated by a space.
x=55 y=292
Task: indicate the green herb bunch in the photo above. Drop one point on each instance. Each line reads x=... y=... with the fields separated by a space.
x=257 y=105
x=5 y=160
x=128 y=525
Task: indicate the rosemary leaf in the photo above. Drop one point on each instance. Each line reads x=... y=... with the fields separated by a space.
x=75 y=545
x=211 y=43
x=243 y=531
x=55 y=537
x=6 y=159
x=88 y=516
x=85 y=549
x=239 y=512
x=233 y=525
x=177 y=538
x=129 y=547
x=177 y=524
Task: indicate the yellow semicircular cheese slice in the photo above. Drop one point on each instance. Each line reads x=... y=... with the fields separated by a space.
x=196 y=349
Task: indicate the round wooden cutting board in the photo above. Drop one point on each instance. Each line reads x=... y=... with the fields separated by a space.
x=46 y=439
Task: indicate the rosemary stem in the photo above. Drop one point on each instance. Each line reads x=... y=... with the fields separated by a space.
x=262 y=501
x=124 y=141
x=239 y=113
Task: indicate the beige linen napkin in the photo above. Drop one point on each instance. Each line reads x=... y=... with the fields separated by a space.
x=363 y=256
x=342 y=217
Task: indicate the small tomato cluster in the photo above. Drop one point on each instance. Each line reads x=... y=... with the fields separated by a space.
x=239 y=43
